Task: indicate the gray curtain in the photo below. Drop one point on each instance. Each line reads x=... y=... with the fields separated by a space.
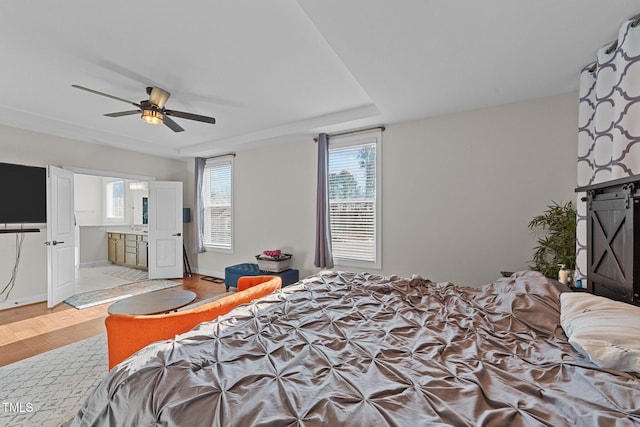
x=199 y=208
x=324 y=258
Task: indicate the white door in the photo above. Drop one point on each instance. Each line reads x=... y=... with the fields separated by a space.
x=165 y=230
x=60 y=236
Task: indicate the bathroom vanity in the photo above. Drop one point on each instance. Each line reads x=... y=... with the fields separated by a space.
x=129 y=249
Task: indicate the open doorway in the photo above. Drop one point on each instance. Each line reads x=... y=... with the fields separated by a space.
x=163 y=239
x=111 y=226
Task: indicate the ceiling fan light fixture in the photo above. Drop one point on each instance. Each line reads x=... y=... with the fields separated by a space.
x=152 y=110
x=153 y=117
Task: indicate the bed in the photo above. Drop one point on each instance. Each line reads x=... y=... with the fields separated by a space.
x=346 y=349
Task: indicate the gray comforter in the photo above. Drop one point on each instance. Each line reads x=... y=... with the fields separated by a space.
x=345 y=349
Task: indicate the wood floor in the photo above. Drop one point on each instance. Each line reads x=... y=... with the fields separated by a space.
x=33 y=329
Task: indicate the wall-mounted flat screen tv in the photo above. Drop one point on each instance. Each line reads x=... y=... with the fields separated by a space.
x=23 y=194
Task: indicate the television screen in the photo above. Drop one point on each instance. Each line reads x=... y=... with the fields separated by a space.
x=24 y=194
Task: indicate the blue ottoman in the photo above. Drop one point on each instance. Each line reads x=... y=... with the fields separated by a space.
x=234 y=272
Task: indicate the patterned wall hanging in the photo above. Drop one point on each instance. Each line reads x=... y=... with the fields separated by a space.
x=608 y=121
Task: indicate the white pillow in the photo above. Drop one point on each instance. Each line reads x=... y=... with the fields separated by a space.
x=606 y=331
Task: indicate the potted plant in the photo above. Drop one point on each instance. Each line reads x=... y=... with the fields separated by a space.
x=557 y=245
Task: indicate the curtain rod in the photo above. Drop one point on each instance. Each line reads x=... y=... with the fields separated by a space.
x=382 y=128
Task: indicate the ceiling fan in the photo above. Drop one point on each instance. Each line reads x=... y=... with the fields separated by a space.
x=152 y=110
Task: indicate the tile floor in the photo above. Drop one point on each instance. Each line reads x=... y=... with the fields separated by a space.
x=106 y=277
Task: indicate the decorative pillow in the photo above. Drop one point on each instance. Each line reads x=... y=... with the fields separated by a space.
x=606 y=331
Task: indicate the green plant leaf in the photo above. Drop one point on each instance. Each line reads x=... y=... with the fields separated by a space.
x=558 y=244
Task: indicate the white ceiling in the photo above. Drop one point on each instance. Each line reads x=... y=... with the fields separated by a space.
x=278 y=70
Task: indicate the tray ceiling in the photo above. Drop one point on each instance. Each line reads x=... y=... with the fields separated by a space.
x=283 y=70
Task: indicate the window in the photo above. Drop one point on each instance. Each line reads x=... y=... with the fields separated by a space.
x=114 y=200
x=217 y=200
x=354 y=192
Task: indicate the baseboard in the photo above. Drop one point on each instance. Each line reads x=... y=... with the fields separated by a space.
x=22 y=301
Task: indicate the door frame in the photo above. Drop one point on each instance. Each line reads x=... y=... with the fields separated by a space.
x=108 y=174
x=95 y=172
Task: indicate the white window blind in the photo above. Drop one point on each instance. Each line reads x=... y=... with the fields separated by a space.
x=217 y=200
x=353 y=201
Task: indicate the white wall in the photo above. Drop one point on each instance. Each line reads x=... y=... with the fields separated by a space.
x=458 y=192
x=474 y=181
x=37 y=149
x=88 y=199
x=93 y=244
x=89 y=210
x=274 y=207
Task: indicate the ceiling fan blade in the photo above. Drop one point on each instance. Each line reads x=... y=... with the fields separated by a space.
x=158 y=96
x=190 y=116
x=172 y=125
x=106 y=94
x=122 y=113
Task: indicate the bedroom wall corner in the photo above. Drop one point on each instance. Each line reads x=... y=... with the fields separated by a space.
x=274 y=207
x=476 y=179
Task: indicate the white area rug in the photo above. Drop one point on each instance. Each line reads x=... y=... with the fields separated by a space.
x=49 y=389
x=126 y=273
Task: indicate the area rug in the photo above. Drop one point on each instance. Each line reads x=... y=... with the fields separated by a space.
x=49 y=389
x=102 y=296
x=126 y=273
